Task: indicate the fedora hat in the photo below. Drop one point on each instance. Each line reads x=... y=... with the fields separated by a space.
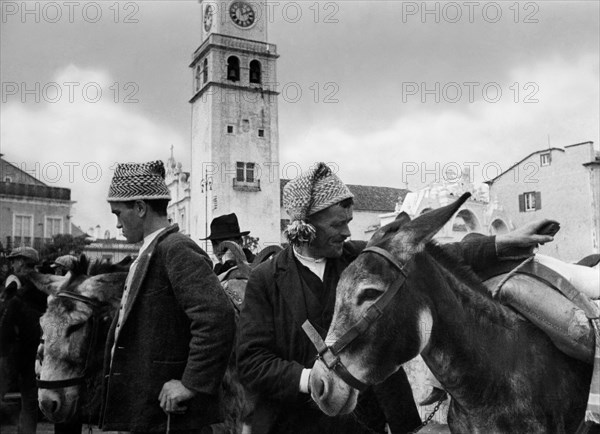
x=225 y=227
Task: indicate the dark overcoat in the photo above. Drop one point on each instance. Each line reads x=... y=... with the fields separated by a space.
x=273 y=349
x=177 y=324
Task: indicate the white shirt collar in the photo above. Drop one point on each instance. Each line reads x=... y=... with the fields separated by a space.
x=148 y=239
x=317 y=266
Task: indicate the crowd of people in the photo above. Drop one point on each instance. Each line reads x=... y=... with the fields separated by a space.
x=175 y=331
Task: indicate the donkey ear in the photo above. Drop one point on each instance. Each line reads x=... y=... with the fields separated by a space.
x=418 y=232
x=389 y=229
x=48 y=283
x=402 y=218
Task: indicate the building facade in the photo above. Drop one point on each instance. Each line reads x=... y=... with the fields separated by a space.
x=558 y=184
x=477 y=214
x=235 y=139
x=31 y=212
x=178 y=182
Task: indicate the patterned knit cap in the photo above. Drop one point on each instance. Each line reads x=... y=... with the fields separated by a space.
x=308 y=194
x=138 y=181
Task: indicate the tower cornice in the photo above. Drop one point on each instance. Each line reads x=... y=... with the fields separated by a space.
x=233 y=43
x=218 y=84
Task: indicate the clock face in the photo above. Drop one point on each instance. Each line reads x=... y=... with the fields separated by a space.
x=242 y=14
x=208 y=17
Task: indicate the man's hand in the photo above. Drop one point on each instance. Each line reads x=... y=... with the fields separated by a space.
x=521 y=242
x=173 y=396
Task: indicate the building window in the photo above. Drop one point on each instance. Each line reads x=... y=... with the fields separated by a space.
x=23 y=230
x=245 y=179
x=261 y=132
x=545 y=159
x=229 y=129
x=530 y=201
x=205 y=71
x=255 y=73
x=233 y=69
x=53 y=227
x=7 y=179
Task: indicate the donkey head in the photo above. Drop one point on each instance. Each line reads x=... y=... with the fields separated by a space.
x=403 y=327
x=67 y=327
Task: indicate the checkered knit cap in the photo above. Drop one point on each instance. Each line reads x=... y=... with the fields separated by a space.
x=138 y=181
x=314 y=191
x=308 y=194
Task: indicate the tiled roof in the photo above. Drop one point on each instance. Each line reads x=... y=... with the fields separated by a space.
x=370 y=198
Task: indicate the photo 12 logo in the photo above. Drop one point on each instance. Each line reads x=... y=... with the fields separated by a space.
x=470 y=12
x=469 y=91
x=69 y=92
x=69 y=12
x=290 y=92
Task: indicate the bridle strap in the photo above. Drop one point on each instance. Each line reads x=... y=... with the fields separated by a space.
x=76 y=381
x=330 y=354
x=376 y=309
x=59 y=384
x=330 y=359
x=94 y=304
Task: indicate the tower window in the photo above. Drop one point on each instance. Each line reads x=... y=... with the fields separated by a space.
x=261 y=132
x=255 y=72
x=205 y=71
x=229 y=129
x=245 y=179
x=244 y=172
x=197 y=78
x=233 y=69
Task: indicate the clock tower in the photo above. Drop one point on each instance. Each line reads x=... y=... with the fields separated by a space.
x=235 y=141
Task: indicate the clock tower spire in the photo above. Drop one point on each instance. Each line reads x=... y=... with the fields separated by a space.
x=235 y=140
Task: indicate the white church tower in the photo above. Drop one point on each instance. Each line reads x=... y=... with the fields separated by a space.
x=235 y=141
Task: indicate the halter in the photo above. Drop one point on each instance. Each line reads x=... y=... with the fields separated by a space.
x=330 y=354
x=75 y=381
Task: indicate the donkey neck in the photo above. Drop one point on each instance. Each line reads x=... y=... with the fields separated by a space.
x=471 y=338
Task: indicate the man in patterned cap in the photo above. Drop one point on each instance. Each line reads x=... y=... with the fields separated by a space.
x=170 y=342
x=274 y=354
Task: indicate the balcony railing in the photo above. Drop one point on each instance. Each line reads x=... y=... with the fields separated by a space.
x=32 y=190
x=264 y=48
x=246 y=185
x=37 y=242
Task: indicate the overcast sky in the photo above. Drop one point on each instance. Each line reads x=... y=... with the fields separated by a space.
x=401 y=86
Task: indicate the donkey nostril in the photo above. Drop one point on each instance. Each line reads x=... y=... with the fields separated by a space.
x=320 y=388
x=49 y=405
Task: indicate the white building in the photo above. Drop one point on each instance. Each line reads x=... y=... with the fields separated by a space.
x=559 y=184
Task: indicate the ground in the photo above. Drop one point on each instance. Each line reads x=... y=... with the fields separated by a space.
x=9 y=413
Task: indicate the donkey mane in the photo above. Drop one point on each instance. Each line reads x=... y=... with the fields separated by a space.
x=470 y=290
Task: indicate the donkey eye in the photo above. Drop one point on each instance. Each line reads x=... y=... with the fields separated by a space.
x=368 y=294
x=73 y=328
